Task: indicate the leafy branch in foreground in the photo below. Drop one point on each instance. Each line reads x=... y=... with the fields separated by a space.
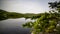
x=45 y=23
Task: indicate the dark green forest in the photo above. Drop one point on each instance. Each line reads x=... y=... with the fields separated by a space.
x=13 y=15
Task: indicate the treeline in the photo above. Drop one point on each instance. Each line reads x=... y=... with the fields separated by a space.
x=7 y=15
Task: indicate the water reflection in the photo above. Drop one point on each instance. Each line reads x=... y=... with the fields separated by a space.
x=14 y=26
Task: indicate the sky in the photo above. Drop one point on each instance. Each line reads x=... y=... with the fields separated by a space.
x=25 y=6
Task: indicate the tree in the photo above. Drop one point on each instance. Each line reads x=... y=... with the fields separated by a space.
x=56 y=6
x=7 y=15
x=3 y=15
x=47 y=22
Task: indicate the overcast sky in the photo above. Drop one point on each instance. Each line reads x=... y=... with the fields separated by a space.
x=25 y=6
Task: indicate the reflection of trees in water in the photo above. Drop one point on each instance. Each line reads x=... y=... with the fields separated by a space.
x=3 y=15
x=6 y=15
x=46 y=22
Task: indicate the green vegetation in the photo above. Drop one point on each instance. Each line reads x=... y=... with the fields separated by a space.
x=46 y=22
x=3 y=15
x=7 y=15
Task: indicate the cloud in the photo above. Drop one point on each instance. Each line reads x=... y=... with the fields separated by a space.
x=25 y=6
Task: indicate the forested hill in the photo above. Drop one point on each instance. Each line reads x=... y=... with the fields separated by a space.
x=7 y=15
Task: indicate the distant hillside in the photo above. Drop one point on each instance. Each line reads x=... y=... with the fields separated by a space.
x=7 y=15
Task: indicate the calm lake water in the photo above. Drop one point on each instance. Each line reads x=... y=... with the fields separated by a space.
x=14 y=26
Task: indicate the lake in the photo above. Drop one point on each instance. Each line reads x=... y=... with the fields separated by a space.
x=14 y=26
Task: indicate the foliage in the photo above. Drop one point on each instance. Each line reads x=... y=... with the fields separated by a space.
x=56 y=6
x=45 y=22
x=3 y=15
x=7 y=15
x=58 y=28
